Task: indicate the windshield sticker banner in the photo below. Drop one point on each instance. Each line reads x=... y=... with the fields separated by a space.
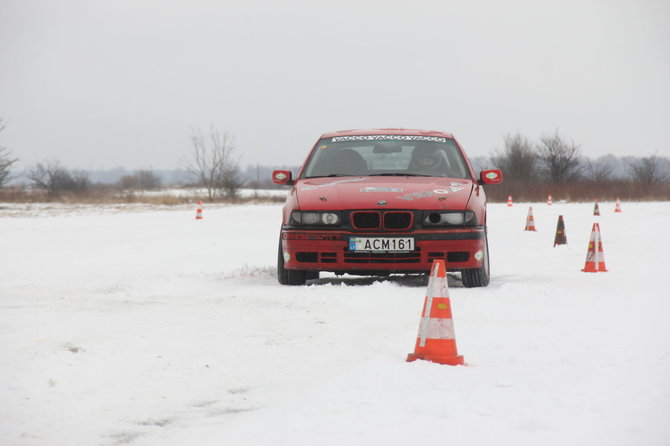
x=388 y=138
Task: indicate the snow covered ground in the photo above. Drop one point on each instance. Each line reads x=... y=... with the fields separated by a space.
x=142 y=326
x=200 y=192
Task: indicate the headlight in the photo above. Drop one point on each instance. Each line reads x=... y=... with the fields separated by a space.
x=310 y=218
x=453 y=218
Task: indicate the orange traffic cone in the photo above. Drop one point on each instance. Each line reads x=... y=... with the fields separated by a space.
x=530 y=221
x=436 y=340
x=549 y=200
x=561 y=238
x=596 y=210
x=595 y=259
x=617 y=208
x=509 y=201
x=198 y=213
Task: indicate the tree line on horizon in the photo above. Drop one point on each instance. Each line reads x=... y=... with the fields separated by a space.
x=211 y=164
x=532 y=170
x=553 y=165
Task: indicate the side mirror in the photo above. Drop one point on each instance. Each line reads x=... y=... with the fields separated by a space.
x=493 y=176
x=282 y=177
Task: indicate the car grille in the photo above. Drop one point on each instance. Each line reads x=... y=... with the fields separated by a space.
x=397 y=220
x=372 y=257
x=366 y=220
x=314 y=257
x=391 y=221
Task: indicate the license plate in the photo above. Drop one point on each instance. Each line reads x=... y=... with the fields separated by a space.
x=381 y=244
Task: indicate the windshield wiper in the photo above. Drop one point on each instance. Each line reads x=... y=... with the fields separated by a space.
x=334 y=175
x=399 y=175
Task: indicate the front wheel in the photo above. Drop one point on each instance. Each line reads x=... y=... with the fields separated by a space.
x=478 y=277
x=288 y=276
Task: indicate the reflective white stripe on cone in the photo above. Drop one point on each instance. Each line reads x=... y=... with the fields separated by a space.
x=436 y=337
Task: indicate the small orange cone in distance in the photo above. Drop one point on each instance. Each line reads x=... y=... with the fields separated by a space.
x=596 y=210
x=561 y=238
x=509 y=201
x=436 y=340
x=550 y=200
x=595 y=258
x=530 y=221
x=617 y=208
x=198 y=213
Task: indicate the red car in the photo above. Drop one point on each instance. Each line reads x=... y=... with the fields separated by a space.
x=376 y=202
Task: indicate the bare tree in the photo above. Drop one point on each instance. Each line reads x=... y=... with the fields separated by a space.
x=141 y=180
x=212 y=163
x=231 y=181
x=6 y=160
x=647 y=172
x=517 y=159
x=600 y=170
x=54 y=179
x=559 y=160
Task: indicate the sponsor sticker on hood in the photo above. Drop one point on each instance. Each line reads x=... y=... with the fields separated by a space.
x=381 y=189
x=348 y=180
x=430 y=193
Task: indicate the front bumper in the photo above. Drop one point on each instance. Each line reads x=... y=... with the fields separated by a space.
x=313 y=250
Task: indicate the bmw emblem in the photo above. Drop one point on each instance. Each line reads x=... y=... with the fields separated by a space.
x=382 y=203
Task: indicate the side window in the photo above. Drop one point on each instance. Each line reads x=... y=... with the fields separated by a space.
x=456 y=162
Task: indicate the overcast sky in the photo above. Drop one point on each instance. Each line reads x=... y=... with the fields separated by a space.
x=100 y=84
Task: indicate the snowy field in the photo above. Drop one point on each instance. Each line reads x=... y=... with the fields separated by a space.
x=142 y=326
x=199 y=192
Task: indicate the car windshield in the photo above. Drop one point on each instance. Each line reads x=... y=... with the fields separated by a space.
x=392 y=155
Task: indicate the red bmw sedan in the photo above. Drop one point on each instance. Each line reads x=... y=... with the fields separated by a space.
x=384 y=201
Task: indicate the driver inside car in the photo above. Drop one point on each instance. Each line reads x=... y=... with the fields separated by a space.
x=427 y=159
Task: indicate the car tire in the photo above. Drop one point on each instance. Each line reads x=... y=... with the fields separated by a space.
x=478 y=277
x=288 y=276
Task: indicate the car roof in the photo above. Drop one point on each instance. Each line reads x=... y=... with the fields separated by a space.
x=393 y=131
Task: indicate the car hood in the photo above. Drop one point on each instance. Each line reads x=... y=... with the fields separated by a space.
x=339 y=193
